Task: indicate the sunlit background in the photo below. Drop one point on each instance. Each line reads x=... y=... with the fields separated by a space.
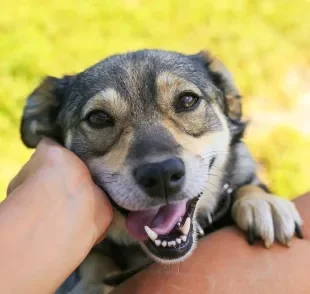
x=266 y=44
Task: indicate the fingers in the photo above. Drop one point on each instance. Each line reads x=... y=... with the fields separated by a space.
x=47 y=153
x=103 y=213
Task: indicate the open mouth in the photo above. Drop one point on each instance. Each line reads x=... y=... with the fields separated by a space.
x=166 y=232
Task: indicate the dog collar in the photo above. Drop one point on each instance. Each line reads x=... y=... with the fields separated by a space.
x=222 y=208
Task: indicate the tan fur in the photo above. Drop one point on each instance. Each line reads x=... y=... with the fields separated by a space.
x=232 y=96
x=118 y=231
x=169 y=85
x=108 y=100
x=234 y=106
x=216 y=143
x=197 y=146
x=248 y=189
x=94 y=269
x=115 y=159
x=41 y=99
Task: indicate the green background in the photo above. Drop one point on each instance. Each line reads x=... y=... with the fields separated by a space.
x=264 y=43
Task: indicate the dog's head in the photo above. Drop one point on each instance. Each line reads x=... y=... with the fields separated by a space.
x=154 y=128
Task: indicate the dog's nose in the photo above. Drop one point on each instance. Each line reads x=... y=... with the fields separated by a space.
x=161 y=179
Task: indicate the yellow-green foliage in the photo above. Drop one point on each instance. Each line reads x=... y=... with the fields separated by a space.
x=259 y=40
x=285 y=155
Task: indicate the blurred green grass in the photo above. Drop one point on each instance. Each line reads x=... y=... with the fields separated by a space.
x=259 y=40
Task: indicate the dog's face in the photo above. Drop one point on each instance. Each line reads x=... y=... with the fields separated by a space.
x=152 y=127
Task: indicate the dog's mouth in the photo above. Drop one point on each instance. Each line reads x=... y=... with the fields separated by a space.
x=165 y=232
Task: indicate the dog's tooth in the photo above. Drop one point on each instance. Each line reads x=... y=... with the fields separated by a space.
x=179 y=241
x=173 y=243
x=170 y=244
x=157 y=242
x=184 y=237
x=153 y=236
x=164 y=243
x=186 y=226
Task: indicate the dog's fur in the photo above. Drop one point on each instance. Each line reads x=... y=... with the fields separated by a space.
x=139 y=91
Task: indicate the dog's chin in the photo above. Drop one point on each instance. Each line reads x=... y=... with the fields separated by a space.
x=170 y=255
x=177 y=245
x=164 y=245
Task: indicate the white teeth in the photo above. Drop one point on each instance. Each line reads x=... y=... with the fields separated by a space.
x=153 y=236
x=184 y=237
x=170 y=243
x=186 y=226
x=185 y=230
x=157 y=242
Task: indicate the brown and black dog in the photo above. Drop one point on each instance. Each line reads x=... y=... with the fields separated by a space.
x=161 y=133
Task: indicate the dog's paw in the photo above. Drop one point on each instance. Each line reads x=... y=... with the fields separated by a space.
x=268 y=217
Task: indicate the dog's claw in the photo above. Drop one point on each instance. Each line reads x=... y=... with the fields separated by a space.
x=298 y=231
x=251 y=235
x=209 y=218
x=267 y=244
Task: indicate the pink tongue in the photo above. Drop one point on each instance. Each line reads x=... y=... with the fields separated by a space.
x=160 y=220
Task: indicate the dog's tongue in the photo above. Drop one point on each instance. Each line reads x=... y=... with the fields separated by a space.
x=160 y=220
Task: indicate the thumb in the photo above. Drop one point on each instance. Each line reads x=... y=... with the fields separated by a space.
x=103 y=214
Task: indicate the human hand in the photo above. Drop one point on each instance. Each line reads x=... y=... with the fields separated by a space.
x=55 y=213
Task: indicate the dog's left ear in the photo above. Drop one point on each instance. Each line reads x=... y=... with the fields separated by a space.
x=223 y=79
x=40 y=117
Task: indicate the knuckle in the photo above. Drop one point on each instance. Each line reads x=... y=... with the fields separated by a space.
x=54 y=155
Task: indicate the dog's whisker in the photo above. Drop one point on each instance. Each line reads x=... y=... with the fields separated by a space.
x=216 y=187
x=214 y=175
x=216 y=167
x=214 y=152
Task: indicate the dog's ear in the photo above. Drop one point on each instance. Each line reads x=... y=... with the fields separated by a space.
x=41 y=111
x=223 y=79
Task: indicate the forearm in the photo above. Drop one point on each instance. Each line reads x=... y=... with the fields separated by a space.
x=225 y=263
x=37 y=229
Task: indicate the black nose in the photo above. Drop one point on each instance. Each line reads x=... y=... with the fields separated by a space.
x=161 y=179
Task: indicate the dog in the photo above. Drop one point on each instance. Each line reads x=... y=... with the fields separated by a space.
x=161 y=133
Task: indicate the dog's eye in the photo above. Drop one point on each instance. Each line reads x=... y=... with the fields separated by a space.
x=99 y=119
x=186 y=102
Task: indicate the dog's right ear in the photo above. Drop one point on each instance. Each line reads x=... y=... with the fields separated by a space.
x=223 y=79
x=41 y=111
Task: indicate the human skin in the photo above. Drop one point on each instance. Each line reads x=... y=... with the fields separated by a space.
x=52 y=217
x=54 y=214
x=224 y=263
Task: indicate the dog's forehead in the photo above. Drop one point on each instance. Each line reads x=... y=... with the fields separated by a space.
x=135 y=74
